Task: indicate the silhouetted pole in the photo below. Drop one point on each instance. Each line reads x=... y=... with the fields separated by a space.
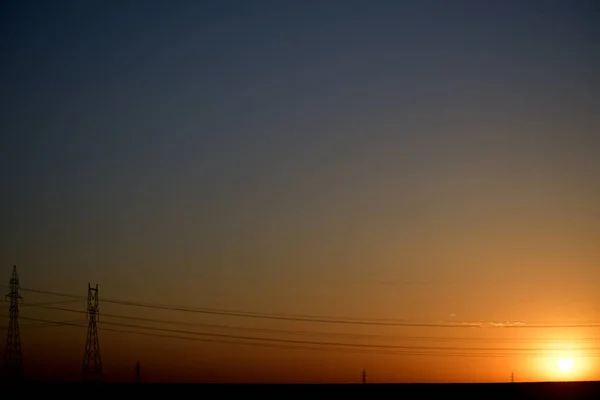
x=13 y=355
x=364 y=376
x=137 y=372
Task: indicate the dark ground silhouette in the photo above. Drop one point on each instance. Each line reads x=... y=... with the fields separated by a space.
x=538 y=390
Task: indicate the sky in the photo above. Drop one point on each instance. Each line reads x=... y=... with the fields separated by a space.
x=429 y=162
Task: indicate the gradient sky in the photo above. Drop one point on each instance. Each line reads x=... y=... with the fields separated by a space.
x=416 y=160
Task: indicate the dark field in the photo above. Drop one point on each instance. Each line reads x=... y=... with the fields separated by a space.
x=541 y=390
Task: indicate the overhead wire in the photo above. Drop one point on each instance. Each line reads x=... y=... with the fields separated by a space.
x=303 y=345
x=45 y=324
x=315 y=343
x=48 y=303
x=306 y=318
x=237 y=313
x=299 y=345
x=293 y=332
x=254 y=344
x=76 y=298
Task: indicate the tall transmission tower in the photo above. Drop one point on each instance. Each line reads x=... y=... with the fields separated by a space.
x=92 y=363
x=13 y=356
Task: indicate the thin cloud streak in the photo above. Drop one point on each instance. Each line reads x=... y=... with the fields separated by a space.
x=481 y=324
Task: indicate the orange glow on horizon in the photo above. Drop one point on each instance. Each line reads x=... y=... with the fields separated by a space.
x=566 y=362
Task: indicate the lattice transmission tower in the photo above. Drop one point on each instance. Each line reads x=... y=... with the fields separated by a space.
x=92 y=363
x=13 y=356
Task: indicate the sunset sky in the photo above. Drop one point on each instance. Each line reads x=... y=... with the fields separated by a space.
x=434 y=163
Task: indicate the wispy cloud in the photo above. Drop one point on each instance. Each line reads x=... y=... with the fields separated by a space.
x=484 y=324
x=506 y=324
x=464 y=323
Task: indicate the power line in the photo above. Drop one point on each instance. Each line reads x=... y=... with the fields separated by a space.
x=306 y=318
x=341 y=344
x=251 y=344
x=299 y=347
x=242 y=328
x=298 y=332
x=48 y=303
x=211 y=340
x=46 y=324
x=330 y=344
x=236 y=313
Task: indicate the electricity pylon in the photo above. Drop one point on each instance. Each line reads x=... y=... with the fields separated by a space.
x=13 y=356
x=92 y=363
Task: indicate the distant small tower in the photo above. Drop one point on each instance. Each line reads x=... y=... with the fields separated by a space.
x=137 y=372
x=364 y=376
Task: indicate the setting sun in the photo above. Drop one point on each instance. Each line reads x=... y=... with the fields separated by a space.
x=565 y=364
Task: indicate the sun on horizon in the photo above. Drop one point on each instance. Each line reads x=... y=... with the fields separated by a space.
x=565 y=364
